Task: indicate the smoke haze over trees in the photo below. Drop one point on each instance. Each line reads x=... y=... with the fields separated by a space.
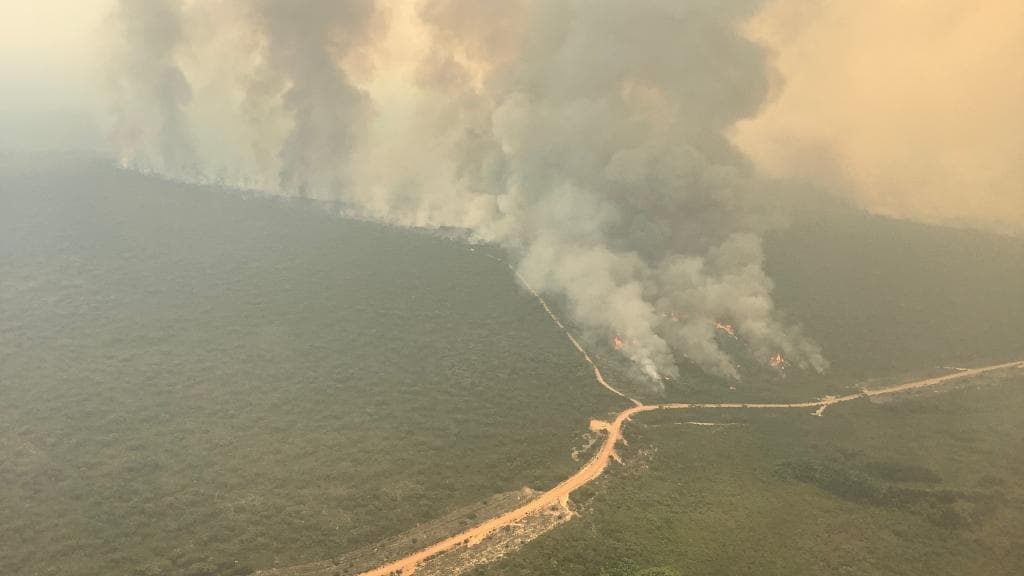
x=597 y=141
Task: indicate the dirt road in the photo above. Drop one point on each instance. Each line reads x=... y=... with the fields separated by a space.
x=575 y=343
x=406 y=566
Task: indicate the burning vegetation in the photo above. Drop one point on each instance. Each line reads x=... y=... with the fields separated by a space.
x=727 y=328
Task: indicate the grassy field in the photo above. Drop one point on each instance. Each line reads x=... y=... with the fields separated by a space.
x=928 y=484
x=197 y=383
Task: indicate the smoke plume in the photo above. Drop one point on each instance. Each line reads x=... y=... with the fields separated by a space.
x=588 y=137
x=303 y=44
x=150 y=90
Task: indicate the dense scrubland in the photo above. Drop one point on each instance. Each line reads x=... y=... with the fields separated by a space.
x=195 y=381
x=925 y=484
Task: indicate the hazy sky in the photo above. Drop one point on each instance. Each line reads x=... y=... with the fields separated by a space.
x=913 y=108
x=50 y=72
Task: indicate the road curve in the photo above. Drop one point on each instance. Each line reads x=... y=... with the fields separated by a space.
x=597 y=464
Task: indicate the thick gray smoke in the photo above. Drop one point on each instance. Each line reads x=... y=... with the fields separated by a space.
x=302 y=43
x=150 y=91
x=586 y=136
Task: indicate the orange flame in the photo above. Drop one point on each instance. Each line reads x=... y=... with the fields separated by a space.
x=727 y=328
x=618 y=343
x=778 y=362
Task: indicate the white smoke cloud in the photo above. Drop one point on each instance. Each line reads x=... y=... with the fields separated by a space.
x=587 y=137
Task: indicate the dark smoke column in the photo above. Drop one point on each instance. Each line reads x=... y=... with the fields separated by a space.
x=304 y=44
x=150 y=92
